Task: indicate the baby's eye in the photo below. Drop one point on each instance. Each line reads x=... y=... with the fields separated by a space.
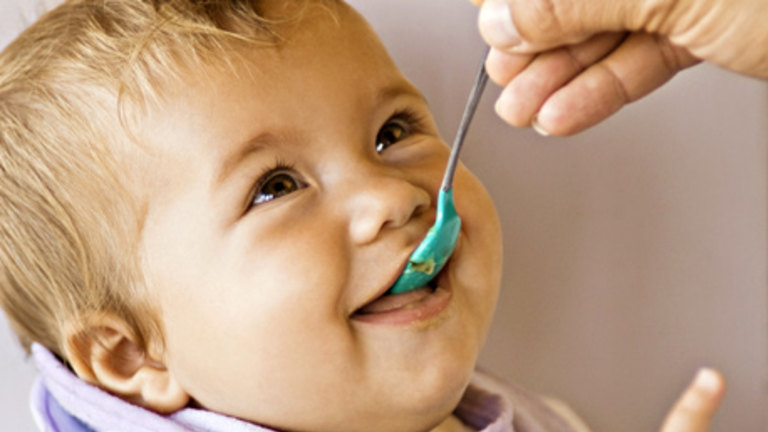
x=275 y=185
x=394 y=130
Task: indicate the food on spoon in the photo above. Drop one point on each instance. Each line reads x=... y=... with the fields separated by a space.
x=427 y=266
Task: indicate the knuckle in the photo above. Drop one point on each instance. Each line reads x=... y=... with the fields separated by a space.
x=668 y=54
x=575 y=60
x=539 y=20
x=619 y=90
x=651 y=16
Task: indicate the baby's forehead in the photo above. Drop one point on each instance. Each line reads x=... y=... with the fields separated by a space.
x=301 y=33
x=327 y=38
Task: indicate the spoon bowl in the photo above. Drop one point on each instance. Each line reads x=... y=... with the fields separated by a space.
x=433 y=252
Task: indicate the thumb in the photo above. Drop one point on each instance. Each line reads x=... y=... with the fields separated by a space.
x=536 y=25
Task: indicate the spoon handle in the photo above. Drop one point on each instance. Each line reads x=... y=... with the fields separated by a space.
x=469 y=112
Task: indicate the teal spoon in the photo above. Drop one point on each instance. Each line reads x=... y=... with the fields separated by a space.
x=433 y=252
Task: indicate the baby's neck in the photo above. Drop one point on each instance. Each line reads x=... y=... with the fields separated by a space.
x=452 y=424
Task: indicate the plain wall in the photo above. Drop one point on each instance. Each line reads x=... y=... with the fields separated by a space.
x=634 y=252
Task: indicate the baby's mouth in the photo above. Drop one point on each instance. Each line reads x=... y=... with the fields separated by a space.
x=388 y=302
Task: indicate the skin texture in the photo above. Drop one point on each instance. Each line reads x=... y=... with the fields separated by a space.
x=566 y=66
x=257 y=302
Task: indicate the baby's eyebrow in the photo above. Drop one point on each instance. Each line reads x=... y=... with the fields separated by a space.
x=401 y=88
x=241 y=150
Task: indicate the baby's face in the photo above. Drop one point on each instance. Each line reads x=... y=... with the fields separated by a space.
x=284 y=199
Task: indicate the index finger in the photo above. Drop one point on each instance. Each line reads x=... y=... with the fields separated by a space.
x=694 y=410
x=477 y=2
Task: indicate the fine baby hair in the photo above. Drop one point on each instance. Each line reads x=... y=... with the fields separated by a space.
x=69 y=88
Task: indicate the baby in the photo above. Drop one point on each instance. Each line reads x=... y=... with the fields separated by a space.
x=202 y=207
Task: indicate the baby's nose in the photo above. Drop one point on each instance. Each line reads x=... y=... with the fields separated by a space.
x=385 y=203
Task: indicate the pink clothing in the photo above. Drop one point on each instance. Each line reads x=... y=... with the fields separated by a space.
x=61 y=402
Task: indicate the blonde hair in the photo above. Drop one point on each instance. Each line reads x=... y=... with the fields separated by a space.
x=69 y=221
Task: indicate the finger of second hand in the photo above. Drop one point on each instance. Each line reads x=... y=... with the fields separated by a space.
x=635 y=68
x=694 y=410
x=503 y=67
x=530 y=87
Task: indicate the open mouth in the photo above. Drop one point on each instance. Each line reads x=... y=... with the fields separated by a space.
x=389 y=302
x=416 y=304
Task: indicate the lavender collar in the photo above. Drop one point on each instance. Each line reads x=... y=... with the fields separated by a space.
x=61 y=402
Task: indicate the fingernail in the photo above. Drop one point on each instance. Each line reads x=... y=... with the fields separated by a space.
x=707 y=379
x=537 y=126
x=496 y=24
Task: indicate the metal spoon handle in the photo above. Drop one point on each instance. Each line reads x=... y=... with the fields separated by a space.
x=466 y=119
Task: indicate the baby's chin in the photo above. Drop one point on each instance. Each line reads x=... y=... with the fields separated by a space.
x=437 y=398
x=415 y=410
x=421 y=412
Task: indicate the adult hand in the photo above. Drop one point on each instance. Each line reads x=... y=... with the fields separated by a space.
x=694 y=410
x=566 y=65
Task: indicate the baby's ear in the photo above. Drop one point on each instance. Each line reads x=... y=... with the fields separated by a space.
x=105 y=352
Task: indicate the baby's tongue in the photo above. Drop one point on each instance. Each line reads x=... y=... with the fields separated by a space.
x=391 y=302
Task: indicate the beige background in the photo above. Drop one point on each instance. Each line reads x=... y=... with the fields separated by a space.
x=635 y=252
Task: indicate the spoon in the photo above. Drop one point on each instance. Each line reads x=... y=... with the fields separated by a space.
x=433 y=252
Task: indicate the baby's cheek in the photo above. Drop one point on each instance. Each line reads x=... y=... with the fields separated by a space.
x=474 y=203
x=481 y=228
